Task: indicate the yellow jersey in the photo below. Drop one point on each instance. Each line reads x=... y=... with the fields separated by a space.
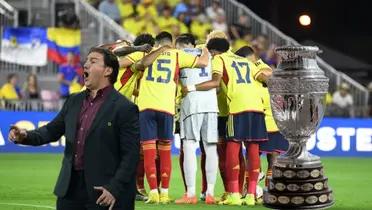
x=8 y=91
x=160 y=79
x=127 y=77
x=165 y=24
x=125 y=9
x=238 y=76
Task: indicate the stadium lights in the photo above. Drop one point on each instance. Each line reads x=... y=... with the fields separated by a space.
x=304 y=20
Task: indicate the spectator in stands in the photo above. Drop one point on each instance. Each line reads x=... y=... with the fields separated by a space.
x=343 y=102
x=166 y=21
x=196 y=8
x=109 y=8
x=200 y=27
x=246 y=40
x=241 y=28
x=30 y=88
x=182 y=7
x=10 y=90
x=66 y=75
x=214 y=10
x=126 y=8
x=147 y=7
x=219 y=24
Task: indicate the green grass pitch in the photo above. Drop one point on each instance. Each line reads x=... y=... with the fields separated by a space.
x=27 y=181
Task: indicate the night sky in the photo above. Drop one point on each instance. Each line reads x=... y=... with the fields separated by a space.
x=343 y=25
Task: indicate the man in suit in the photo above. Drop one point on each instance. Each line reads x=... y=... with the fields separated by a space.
x=102 y=141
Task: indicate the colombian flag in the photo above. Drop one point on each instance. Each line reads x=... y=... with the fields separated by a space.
x=61 y=41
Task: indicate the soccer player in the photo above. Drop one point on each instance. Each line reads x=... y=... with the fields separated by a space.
x=222 y=119
x=156 y=102
x=246 y=119
x=128 y=77
x=276 y=143
x=128 y=85
x=198 y=121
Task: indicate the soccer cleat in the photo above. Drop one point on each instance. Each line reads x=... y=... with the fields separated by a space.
x=153 y=198
x=233 y=199
x=259 y=201
x=210 y=200
x=249 y=200
x=186 y=200
x=223 y=197
x=202 y=196
x=141 y=195
x=164 y=198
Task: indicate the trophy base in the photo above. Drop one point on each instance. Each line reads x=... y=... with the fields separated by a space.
x=323 y=206
x=305 y=160
x=298 y=188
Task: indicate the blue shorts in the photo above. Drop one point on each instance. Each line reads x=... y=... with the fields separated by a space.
x=222 y=127
x=276 y=143
x=247 y=126
x=155 y=125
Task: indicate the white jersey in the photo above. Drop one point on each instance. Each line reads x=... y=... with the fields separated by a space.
x=197 y=101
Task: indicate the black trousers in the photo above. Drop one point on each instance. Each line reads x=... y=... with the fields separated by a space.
x=77 y=196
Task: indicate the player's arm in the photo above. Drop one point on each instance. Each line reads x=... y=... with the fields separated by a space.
x=61 y=79
x=123 y=51
x=263 y=75
x=203 y=59
x=262 y=71
x=149 y=59
x=114 y=45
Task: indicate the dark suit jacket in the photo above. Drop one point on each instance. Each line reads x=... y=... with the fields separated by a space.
x=111 y=150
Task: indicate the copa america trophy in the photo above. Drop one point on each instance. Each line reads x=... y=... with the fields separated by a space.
x=297 y=91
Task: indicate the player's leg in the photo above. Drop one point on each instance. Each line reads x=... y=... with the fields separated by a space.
x=165 y=133
x=191 y=131
x=148 y=133
x=140 y=179
x=209 y=134
x=221 y=151
x=202 y=168
x=242 y=165
x=255 y=133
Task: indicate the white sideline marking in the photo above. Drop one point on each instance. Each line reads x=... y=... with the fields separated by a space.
x=29 y=205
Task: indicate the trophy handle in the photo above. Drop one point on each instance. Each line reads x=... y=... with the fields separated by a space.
x=298 y=156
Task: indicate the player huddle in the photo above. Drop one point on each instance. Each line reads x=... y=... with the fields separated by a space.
x=221 y=103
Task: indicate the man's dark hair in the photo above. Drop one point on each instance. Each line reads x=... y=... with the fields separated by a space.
x=164 y=36
x=186 y=39
x=11 y=76
x=109 y=60
x=218 y=44
x=245 y=51
x=144 y=38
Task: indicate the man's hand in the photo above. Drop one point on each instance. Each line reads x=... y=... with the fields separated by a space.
x=106 y=198
x=145 y=48
x=184 y=91
x=17 y=134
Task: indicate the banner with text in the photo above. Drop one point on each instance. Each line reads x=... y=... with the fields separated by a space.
x=335 y=136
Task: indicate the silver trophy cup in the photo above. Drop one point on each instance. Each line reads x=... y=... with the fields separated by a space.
x=297 y=91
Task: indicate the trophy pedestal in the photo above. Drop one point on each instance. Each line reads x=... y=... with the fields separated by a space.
x=298 y=188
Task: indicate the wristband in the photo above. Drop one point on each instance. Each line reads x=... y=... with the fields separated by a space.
x=191 y=88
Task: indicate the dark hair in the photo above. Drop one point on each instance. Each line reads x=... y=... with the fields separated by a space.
x=186 y=39
x=11 y=76
x=164 y=36
x=218 y=44
x=245 y=51
x=109 y=60
x=144 y=38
